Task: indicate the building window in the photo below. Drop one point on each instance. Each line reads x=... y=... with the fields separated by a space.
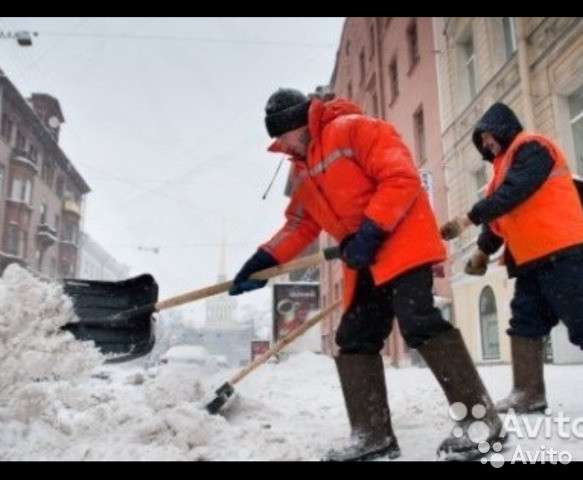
x=73 y=195
x=509 y=26
x=394 y=76
x=362 y=66
x=21 y=190
x=15 y=241
x=70 y=232
x=481 y=179
x=468 y=67
x=489 y=325
x=60 y=187
x=20 y=141
x=419 y=130
x=576 y=120
x=33 y=153
x=6 y=129
x=48 y=171
x=43 y=214
x=413 y=42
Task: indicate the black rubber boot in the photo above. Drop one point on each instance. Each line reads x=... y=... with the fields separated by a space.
x=528 y=393
x=362 y=378
x=449 y=360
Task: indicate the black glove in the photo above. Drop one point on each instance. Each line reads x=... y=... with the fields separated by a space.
x=360 y=248
x=259 y=261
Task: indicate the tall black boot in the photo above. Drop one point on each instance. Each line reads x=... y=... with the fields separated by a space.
x=528 y=394
x=362 y=378
x=449 y=360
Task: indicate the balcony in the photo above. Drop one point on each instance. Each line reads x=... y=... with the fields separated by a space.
x=20 y=205
x=71 y=206
x=46 y=235
x=8 y=258
x=23 y=158
x=69 y=243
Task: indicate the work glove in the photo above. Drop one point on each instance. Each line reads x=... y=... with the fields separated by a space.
x=477 y=264
x=259 y=261
x=359 y=249
x=455 y=227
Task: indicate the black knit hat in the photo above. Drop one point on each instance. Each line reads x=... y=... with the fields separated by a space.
x=286 y=110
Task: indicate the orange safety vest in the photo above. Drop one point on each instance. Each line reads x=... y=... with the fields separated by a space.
x=549 y=220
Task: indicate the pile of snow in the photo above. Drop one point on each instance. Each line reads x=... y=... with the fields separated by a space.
x=33 y=348
x=59 y=401
x=35 y=354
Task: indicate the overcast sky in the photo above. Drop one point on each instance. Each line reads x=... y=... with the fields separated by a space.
x=164 y=120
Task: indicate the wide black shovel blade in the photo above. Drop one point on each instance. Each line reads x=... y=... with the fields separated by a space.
x=102 y=309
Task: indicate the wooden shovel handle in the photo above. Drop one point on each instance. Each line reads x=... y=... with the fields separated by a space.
x=290 y=337
x=299 y=264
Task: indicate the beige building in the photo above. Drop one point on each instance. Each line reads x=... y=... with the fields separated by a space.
x=535 y=65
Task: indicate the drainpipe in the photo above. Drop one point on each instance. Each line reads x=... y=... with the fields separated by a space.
x=380 y=64
x=524 y=72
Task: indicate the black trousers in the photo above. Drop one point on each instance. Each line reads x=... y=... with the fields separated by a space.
x=547 y=293
x=368 y=321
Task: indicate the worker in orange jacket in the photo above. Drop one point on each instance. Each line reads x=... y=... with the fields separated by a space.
x=354 y=178
x=533 y=207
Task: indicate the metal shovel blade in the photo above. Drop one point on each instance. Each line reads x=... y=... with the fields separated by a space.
x=117 y=316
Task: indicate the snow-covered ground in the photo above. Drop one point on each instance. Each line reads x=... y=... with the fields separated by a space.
x=57 y=401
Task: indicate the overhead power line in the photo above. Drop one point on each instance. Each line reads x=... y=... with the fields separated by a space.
x=131 y=36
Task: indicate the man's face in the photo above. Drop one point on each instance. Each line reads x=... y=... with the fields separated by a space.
x=489 y=142
x=296 y=140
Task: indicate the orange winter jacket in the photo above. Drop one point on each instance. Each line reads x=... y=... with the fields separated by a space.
x=358 y=166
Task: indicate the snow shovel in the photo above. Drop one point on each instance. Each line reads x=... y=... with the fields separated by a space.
x=118 y=316
x=226 y=391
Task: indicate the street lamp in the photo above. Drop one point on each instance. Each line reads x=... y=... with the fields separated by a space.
x=23 y=37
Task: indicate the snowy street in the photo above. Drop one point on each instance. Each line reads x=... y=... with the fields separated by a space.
x=287 y=411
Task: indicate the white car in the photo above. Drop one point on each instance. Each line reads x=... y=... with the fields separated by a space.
x=194 y=355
